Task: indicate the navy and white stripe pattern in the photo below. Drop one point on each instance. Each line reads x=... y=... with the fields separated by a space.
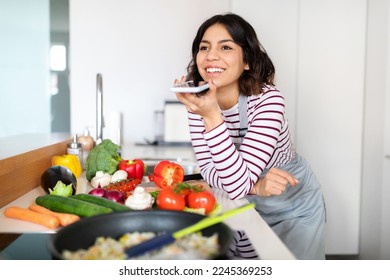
x=266 y=144
x=241 y=247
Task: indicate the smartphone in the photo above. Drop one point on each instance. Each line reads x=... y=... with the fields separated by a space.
x=190 y=87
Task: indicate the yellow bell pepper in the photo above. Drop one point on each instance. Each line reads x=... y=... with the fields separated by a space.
x=69 y=161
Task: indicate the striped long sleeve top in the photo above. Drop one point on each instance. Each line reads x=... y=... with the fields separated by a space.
x=266 y=144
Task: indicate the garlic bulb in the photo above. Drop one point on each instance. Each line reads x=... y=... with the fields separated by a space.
x=101 y=179
x=119 y=175
x=139 y=200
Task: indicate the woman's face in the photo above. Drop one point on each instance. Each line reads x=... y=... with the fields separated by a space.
x=220 y=58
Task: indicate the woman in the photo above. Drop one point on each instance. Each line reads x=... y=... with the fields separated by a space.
x=241 y=138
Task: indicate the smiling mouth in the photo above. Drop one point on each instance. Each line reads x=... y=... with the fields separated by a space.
x=214 y=70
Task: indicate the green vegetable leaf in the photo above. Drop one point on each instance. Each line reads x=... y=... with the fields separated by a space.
x=62 y=189
x=103 y=157
x=183 y=186
x=154 y=195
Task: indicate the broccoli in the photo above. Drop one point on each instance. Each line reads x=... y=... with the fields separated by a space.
x=103 y=157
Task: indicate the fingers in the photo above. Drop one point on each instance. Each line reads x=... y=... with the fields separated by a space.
x=204 y=104
x=283 y=177
x=212 y=85
x=180 y=81
x=274 y=182
x=275 y=188
x=199 y=103
x=181 y=96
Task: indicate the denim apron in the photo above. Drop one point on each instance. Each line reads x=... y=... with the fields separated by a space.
x=298 y=215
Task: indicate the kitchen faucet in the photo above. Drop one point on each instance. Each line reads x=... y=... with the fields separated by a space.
x=99 y=108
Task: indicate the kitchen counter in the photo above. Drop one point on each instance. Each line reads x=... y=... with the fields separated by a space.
x=16 y=145
x=264 y=240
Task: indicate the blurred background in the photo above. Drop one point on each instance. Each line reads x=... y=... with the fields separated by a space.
x=332 y=61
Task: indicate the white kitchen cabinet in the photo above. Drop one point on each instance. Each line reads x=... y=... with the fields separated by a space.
x=375 y=191
x=321 y=72
x=385 y=221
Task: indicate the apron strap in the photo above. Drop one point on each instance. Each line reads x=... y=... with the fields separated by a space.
x=243 y=115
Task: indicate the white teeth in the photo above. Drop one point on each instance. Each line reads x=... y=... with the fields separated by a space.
x=213 y=70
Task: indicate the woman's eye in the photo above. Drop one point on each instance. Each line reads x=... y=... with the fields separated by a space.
x=203 y=48
x=226 y=48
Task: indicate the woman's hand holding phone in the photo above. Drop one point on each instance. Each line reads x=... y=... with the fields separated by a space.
x=203 y=103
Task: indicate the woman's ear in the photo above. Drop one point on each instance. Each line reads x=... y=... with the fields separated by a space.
x=246 y=67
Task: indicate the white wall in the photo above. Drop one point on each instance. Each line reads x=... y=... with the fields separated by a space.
x=140 y=47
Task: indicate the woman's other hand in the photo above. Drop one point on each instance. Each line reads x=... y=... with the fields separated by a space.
x=273 y=183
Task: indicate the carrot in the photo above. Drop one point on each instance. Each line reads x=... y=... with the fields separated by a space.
x=64 y=218
x=32 y=216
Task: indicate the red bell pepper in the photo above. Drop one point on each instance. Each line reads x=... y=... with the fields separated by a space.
x=168 y=173
x=135 y=168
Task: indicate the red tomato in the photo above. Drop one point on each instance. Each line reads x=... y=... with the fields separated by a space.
x=167 y=199
x=202 y=199
x=184 y=193
x=167 y=173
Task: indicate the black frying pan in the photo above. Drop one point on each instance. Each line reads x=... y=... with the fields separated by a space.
x=82 y=234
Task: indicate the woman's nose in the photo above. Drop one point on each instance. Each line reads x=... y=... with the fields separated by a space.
x=212 y=54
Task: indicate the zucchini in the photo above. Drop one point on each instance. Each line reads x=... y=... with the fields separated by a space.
x=115 y=206
x=73 y=206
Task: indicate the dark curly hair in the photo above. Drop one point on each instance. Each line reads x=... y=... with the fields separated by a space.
x=261 y=69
